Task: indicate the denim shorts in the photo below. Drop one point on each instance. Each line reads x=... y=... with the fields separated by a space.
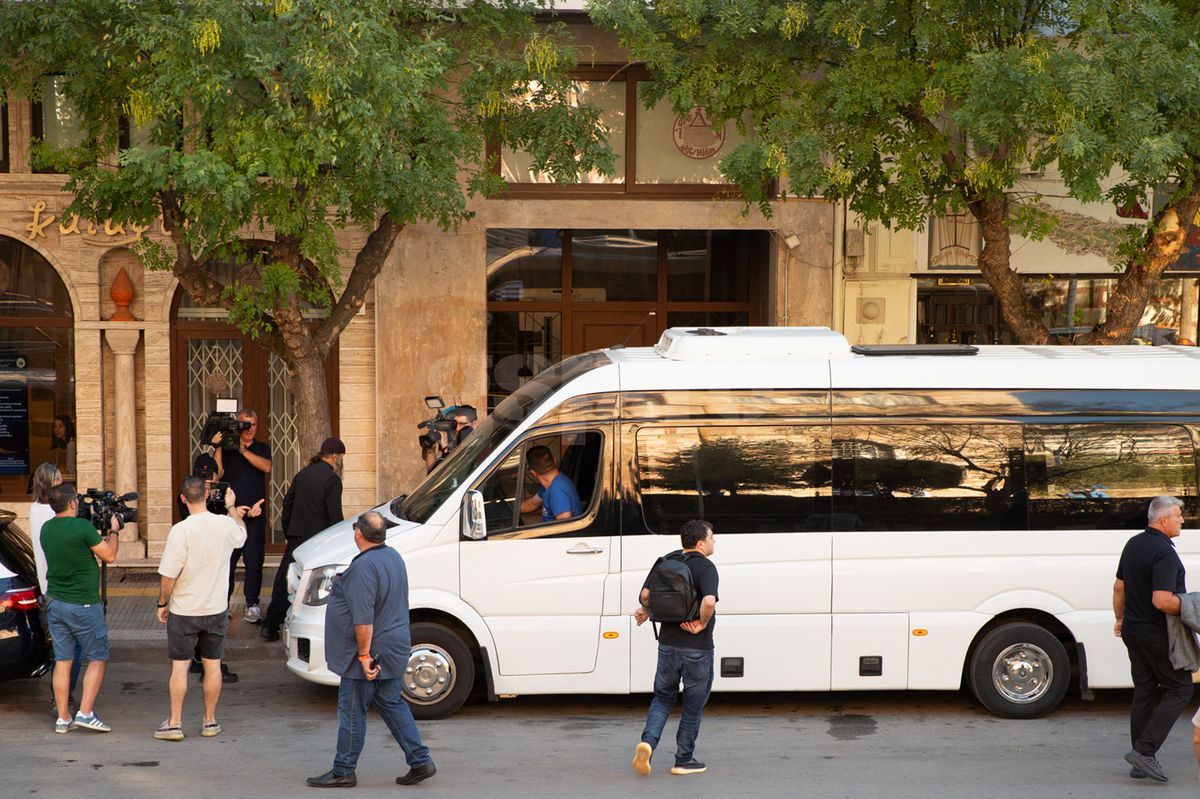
x=185 y=632
x=81 y=625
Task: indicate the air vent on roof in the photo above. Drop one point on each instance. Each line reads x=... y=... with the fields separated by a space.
x=750 y=343
x=914 y=349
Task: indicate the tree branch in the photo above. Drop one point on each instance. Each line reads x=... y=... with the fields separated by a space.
x=367 y=265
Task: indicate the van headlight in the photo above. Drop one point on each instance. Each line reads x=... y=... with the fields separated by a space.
x=320 y=584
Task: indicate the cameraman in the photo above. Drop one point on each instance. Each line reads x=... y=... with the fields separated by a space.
x=246 y=470
x=74 y=612
x=464 y=417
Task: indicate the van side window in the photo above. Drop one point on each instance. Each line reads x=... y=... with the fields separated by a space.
x=741 y=479
x=1103 y=476
x=928 y=477
x=517 y=505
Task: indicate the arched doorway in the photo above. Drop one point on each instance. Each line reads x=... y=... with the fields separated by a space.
x=37 y=369
x=212 y=359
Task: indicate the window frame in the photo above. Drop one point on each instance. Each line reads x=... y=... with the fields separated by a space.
x=630 y=76
x=561 y=528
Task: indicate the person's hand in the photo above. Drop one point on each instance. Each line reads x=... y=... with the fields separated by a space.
x=216 y=440
x=256 y=509
x=695 y=626
x=230 y=498
x=371 y=673
x=641 y=615
x=162 y=615
x=114 y=524
x=1117 y=628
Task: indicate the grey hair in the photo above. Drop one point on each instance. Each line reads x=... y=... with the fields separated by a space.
x=1161 y=506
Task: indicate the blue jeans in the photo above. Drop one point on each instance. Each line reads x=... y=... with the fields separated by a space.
x=694 y=668
x=354 y=697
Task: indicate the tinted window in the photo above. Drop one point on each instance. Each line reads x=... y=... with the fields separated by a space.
x=16 y=552
x=928 y=477
x=741 y=479
x=1098 y=476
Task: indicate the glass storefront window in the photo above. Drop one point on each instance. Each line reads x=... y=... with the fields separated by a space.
x=962 y=310
x=608 y=96
x=614 y=265
x=712 y=265
x=520 y=345
x=37 y=381
x=680 y=148
x=524 y=265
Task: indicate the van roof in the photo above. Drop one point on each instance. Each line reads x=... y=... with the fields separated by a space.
x=814 y=357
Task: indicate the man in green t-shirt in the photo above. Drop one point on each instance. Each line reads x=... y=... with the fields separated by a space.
x=74 y=613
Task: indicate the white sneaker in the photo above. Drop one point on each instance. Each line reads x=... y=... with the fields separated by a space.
x=253 y=615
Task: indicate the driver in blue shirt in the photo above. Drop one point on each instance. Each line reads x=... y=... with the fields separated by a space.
x=556 y=496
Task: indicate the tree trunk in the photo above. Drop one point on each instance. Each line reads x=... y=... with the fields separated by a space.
x=312 y=403
x=995 y=264
x=1163 y=247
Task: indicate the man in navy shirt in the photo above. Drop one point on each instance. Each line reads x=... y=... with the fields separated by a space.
x=367 y=643
x=556 y=494
x=1150 y=577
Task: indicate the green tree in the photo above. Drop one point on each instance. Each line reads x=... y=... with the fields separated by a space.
x=908 y=111
x=272 y=125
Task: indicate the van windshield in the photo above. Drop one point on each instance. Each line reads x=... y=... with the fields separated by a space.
x=490 y=435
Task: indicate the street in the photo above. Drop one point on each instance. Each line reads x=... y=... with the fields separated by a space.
x=279 y=729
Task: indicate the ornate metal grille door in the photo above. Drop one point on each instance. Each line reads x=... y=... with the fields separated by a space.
x=214 y=369
x=285 y=446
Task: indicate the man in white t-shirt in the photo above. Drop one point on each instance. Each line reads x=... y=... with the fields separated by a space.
x=194 y=598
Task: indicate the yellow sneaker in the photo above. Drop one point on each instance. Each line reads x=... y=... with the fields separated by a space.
x=641 y=758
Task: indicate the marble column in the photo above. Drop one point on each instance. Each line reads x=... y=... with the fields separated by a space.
x=124 y=344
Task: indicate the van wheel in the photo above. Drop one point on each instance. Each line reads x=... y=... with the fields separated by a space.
x=1019 y=671
x=440 y=671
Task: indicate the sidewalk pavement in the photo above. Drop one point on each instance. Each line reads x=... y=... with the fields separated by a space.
x=133 y=595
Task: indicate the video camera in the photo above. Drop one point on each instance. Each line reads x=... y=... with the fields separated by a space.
x=442 y=421
x=99 y=507
x=224 y=421
x=215 y=503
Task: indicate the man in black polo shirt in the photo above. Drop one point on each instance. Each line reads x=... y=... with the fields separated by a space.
x=1149 y=578
x=246 y=470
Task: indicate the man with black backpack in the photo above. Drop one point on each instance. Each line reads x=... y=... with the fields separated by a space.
x=680 y=593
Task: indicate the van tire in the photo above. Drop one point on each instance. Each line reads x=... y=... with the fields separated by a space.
x=441 y=671
x=1019 y=671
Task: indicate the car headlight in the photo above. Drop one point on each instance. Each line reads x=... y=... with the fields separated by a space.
x=293 y=579
x=320 y=584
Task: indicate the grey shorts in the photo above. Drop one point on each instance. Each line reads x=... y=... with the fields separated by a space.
x=184 y=632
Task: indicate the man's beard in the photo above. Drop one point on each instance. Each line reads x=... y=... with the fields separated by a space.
x=337 y=467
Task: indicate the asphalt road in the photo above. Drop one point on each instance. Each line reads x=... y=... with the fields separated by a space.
x=279 y=730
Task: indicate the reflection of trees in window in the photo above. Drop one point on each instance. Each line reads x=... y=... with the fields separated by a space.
x=761 y=479
x=928 y=477
x=1103 y=476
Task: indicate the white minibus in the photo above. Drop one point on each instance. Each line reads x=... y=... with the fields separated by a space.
x=911 y=517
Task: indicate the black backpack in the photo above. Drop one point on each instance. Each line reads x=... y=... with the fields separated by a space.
x=673 y=595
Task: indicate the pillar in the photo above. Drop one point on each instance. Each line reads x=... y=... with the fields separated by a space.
x=124 y=344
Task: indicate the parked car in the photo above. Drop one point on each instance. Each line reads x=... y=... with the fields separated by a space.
x=24 y=645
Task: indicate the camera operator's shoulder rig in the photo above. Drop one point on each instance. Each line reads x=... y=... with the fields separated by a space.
x=228 y=426
x=99 y=507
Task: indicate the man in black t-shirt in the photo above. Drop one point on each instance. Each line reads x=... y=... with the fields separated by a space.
x=245 y=470
x=1150 y=576
x=685 y=655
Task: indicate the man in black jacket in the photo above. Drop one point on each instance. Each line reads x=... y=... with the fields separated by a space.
x=313 y=503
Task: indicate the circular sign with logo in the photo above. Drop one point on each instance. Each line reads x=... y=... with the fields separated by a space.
x=695 y=136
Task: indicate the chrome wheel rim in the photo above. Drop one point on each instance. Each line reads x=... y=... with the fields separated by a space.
x=1022 y=673
x=430 y=674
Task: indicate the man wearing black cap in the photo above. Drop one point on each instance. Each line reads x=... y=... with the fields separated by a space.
x=313 y=503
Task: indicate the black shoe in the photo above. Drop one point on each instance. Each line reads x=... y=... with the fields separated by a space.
x=331 y=780
x=1147 y=764
x=417 y=774
x=269 y=633
x=227 y=676
x=693 y=766
x=197 y=667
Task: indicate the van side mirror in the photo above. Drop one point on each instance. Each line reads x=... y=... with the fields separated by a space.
x=472 y=524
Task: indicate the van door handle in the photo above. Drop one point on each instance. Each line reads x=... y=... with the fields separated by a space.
x=584 y=549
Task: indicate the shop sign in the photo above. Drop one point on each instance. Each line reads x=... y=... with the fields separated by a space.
x=108 y=234
x=11 y=361
x=695 y=137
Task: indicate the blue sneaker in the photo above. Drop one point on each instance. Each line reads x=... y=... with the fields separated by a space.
x=62 y=726
x=91 y=722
